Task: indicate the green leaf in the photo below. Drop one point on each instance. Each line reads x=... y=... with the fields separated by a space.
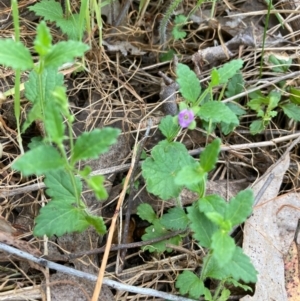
x=43 y=40
x=15 y=55
x=188 y=282
x=175 y=219
x=210 y=155
x=168 y=56
x=160 y=171
x=60 y=216
x=216 y=218
x=223 y=247
x=235 y=108
x=215 y=78
x=50 y=10
x=97 y=222
x=235 y=85
x=212 y=203
x=240 y=267
x=34 y=114
x=202 y=227
x=39 y=160
x=53 y=123
x=188 y=82
x=177 y=31
x=38 y=90
x=274 y=98
x=281 y=63
x=257 y=104
x=40 y=87
x=257 y=126
x=71 y=27
x=60 y=183
x=64 y=52
x=169 y=128
x=96 y=183
x=156 y=231
x=146 y=212
x=295 y=95
x=292 y=111
x=217 y=112
x=91 y=145
x=240 y=207
x=229 y=70
x=190 y=175
x=213 y=269
x=224 y=295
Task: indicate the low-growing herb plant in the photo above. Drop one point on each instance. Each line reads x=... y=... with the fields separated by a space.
x=268 y=106
x=211 y=219
x=56 y=155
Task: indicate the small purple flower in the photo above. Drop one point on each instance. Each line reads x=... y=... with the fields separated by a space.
x=185 y=118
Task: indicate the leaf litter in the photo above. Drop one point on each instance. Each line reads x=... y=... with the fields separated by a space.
x=121 y=87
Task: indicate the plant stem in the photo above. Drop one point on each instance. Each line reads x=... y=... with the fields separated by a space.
x=218 y=290
x=17 y=102
x=264 y=38
x=163 y=24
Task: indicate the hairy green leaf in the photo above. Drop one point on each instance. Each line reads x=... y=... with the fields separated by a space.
x=217 y=112
x=188 y=283
x=229 y=70
x=53 y=123
x=160 y=171
x=292 y=111
x=43 y=39
x=223 y=247
x=91 y=145
x=240 y=207
x=64 y=52
x=235 y=85
x=50 y=10
x=202 y=227
x=71 y=27
x=168 y=127
x=96 y=183
x=15 y=55
x=240 y=267
x=60 y=216
x=175 y=219
x=188 y=82
x=190 y=175
x=97 y=222
x=60 y=183
x=38 y=90
x=146 y=212
x=39 y=160
x=257 y=126
x=212 y=203
x=156 y=231
x=177 y=31
x=295 y=95
x=209 y=156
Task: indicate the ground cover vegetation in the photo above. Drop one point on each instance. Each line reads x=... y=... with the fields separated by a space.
x=97 y=85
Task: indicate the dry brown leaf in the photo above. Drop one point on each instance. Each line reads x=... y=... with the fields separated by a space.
x=268 y=234
x=292 y=273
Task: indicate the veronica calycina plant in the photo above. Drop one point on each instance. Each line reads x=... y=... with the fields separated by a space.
x=211 y=219
x=66 y=212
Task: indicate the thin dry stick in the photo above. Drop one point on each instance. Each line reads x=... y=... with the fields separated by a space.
x=99 y=282
x=70 y=271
